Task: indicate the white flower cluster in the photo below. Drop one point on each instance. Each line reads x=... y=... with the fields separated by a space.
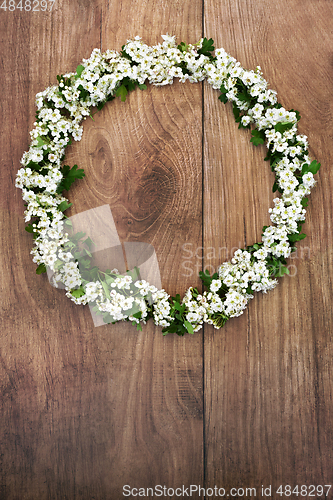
x=201 y=307
x=121 y=307
x=123 y=298
x=234 y=279
x=61 y=110
x=159 y=64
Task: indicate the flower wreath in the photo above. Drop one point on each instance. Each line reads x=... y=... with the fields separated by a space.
x=101 y=78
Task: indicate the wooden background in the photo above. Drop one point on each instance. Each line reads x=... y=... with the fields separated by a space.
x=86 y=410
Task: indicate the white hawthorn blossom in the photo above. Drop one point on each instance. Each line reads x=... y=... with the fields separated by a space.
x=62 y=108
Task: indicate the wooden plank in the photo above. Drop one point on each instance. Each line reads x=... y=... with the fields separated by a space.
x=148 y=148
x=87 y=410
x=268 y=374
x=40 y=359
x=136 y=149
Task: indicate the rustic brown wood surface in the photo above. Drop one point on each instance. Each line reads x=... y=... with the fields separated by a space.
x=86 y=410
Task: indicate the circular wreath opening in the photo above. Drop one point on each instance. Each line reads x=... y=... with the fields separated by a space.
x=43 y=179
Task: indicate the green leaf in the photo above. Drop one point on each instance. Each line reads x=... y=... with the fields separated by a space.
x=206 y=278
x=219 y=319
x=129 y=84
x=177 y=306
x=34 y=166
x=189 y=327
x=134 y=273
x=109 y=280
x=298 y=116
x=138 y=325
x=258 y=137
x=41 y=142
x=69 y=176
x=107 y=318
x=263 y=230
x=283 y=126
x=79 y=292
x=182 y=47
x=236 y=112
x=275 y=187
x=122 y=92
x=223 y=89
x=64 y=205
x=142 y=86
x=77 y=236
x=79 y=70
x=58 y=263
x=296 y=237
x=91 y=274
x=282 y=270
x=89 y=242
x=124 y=54
x=106 y=289
x=29 y=228
x=177 y=328
x=305 y=168
x=41 y=269
x=244 y=96
x=269 y=157
x=83 y=92
x=305 y=202
x=100 y=105
x=223 y=98
x=84 y=263
x=314 y=167
x=207 y=47
x=274 y=159
x=86 y=252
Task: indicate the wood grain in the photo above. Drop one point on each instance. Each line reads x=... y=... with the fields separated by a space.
x=267 y=389
x=86 y=410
